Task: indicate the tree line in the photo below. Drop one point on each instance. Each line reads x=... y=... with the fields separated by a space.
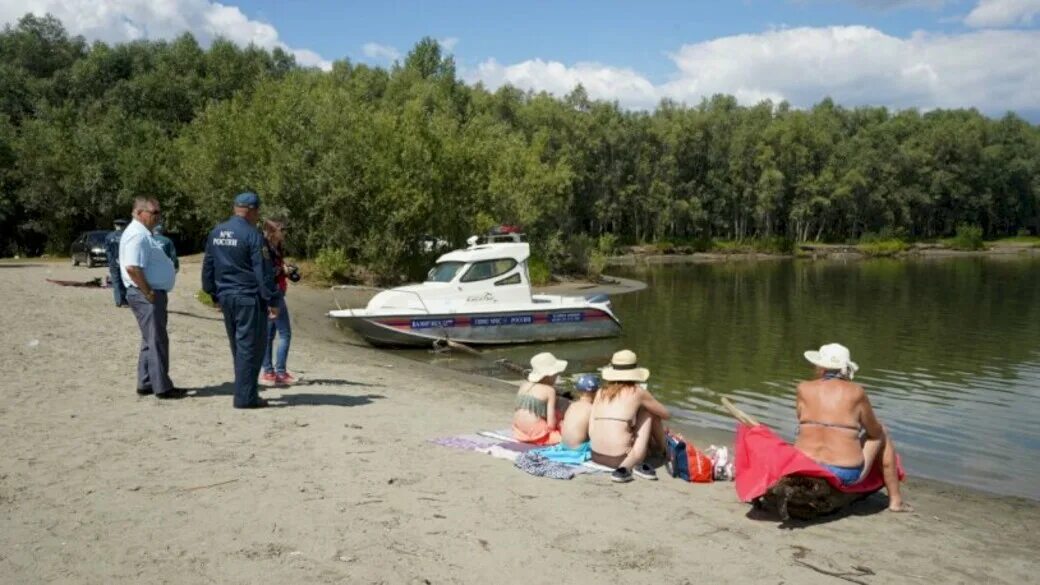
x=365 y=160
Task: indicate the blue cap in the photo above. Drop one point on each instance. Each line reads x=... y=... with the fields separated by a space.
x=587 y=383
x=247 y=199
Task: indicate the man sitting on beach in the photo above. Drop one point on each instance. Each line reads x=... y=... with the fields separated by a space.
x=574 y=431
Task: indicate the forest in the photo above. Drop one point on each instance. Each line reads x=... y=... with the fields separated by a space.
x=363 y=161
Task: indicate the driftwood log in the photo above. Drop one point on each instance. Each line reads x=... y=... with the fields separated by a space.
x=797 y=497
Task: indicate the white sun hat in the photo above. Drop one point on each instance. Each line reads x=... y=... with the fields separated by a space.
x=833 y=356
x=625 y=368
x=544 y=365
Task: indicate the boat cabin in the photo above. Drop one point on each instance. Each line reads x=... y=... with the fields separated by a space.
x=485 y=276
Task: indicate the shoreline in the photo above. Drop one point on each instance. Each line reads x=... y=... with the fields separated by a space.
x=341 y=484
x=820 y=252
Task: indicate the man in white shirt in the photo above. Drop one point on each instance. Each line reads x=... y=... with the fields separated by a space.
x=149 y=275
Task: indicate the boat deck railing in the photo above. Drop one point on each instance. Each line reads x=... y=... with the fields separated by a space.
x=359 y=287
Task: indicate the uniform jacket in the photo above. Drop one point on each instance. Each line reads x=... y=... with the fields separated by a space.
x=237 y=262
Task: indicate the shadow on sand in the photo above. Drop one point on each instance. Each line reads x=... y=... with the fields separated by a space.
x=868 y=506
x=187 y=314
x=296 y=399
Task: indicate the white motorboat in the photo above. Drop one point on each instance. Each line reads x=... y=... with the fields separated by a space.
x=480 y=295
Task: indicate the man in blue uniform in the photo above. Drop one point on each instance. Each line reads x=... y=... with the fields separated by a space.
x=112 y=257
x=238 y=275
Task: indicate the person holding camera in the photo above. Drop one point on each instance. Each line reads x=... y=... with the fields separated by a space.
x=274 y=371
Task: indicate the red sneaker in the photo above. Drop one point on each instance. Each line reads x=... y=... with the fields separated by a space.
x=285 y=378
x=268 y=379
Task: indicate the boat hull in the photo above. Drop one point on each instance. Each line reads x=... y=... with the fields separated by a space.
x=485 y=328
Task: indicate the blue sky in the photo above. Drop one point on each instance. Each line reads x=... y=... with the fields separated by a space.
x=896 y=53
x=627 y=34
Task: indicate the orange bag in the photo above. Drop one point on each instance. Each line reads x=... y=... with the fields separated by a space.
x=686 y=461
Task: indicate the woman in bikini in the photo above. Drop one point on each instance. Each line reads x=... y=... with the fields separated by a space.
x=538 y=412
x=626 y=420
x=832 y=413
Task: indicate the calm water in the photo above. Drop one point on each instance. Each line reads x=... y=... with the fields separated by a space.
x=949 y=351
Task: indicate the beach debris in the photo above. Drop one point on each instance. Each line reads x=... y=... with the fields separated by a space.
x=800 y=553
x=722 y=463
x=202 y=487
x=33 y=343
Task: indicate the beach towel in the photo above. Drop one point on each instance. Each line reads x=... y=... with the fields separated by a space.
x=762 y=459
x=501 y=445
x=561 y=453
x=542 y=467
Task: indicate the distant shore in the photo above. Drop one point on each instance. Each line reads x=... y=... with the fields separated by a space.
x=650 y=255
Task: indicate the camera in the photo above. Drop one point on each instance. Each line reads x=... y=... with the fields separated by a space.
x=292 y=272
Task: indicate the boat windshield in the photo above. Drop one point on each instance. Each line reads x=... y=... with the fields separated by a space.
x=444 y=272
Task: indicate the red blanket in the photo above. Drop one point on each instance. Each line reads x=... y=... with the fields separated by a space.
x=762 y=459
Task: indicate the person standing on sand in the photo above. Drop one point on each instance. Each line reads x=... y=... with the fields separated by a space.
x=832 y=412
x=274 y=367
x=148 y=275
x=237 y=274
x=112 y=256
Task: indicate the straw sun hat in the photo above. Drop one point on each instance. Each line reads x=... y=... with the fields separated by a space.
x=625 y=368
x=544 y=365
x=833 y=356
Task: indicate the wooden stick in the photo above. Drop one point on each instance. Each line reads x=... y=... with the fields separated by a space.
x=738 y=414
x=505 y=363
x=202 y=487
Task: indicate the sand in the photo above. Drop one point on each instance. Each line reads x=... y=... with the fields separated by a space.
x=339 y=483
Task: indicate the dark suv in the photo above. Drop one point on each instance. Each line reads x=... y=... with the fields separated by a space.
x=89 y=248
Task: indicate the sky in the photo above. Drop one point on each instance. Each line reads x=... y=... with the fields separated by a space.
x=897 y=53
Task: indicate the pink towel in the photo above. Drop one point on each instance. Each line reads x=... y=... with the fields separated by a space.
x=762 y=459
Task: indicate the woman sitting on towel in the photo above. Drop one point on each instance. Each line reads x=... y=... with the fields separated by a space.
x=538 y=411
x=626 y=420
x=832 y=414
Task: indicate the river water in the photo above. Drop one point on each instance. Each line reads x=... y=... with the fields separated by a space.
x=949 y=351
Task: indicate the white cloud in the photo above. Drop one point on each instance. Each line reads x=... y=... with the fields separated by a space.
x=885 y=4
x=448 y=43
x=380 y=52
x=1003 y=13
x=993 y=70
x=115 y=21
x=600 y=81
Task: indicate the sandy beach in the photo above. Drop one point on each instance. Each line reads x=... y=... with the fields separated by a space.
x=340 y=484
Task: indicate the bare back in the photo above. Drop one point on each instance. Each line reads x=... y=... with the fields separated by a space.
x=575 y=427
x=830 y=415
x=611 y=428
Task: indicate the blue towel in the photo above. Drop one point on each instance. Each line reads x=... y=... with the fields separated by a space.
x=561 y=453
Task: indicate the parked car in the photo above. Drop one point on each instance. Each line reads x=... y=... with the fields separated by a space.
x=89 y=248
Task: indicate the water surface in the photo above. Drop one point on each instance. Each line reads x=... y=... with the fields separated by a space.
x=949 y=351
